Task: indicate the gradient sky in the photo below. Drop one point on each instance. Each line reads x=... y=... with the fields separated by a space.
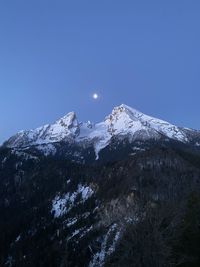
x=54 y=54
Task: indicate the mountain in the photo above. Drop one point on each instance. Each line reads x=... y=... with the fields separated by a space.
x=123 y=123
x=123 y=192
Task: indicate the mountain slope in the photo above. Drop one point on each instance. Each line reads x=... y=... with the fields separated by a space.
x=123 y=192
x=123 y=123
x=53 y=210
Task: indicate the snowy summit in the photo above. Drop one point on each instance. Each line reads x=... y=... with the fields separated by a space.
x=123 y=121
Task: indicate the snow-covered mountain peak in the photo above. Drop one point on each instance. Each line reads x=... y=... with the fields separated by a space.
x=123 y=122
x=124 y=108
x=124 y=112
x=69 y=121
x=66 y=128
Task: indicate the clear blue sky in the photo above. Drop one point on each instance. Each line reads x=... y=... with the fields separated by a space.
x=54 y=54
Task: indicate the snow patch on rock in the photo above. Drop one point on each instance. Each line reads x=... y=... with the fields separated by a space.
x=61 y=205
x=108 y=246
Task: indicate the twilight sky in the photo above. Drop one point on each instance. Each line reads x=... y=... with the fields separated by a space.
x=55 y=54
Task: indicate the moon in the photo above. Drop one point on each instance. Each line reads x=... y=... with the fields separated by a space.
x=95 y=96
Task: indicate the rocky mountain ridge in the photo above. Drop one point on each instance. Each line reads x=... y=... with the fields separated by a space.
x=123 y=122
